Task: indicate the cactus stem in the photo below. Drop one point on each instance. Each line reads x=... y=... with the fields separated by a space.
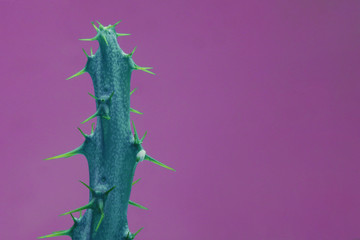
x=137 y=205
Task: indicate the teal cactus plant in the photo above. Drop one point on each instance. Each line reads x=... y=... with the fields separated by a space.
x=112 y=150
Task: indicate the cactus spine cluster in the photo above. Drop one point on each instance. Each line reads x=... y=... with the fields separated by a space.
x=112 y=150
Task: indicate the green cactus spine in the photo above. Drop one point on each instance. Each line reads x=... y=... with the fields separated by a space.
x=112 y=151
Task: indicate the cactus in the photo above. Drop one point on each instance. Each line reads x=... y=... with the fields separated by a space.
x=112 y=151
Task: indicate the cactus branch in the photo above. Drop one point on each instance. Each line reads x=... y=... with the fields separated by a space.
x=112 y=151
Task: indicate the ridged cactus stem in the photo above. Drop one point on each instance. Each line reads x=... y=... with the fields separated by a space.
x=111 y=150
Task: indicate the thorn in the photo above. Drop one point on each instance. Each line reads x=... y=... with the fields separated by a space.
x=101 y=207
x=72 y=216
x=108 y=191
x=80 y=214
x=100 y=25
x=105 y=40
x=122 y=34
x=145 y=69
x=68 y=154
x=147 y=157
x=91 y=52
x=112 y=94
x=133 y=91
x=142 y=139
x=113 y=26
x=92 y=128
x=82 y=71
x=134 y=235
x=89 y=39
x=106 y=117
x=91 y=117
x=132 y=53
x=135 y=134
x=91 y=190
x=93 y=96
x=85 y=53
x=96 y=28
x=135 y=182
x=58 y=233
x=87 y=206
x=135 y=111
x=137 y=205
x=82 y=133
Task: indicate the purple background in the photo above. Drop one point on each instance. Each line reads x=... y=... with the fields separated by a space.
x=255 y=104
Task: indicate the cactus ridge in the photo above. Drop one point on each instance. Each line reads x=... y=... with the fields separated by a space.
x=111 y=149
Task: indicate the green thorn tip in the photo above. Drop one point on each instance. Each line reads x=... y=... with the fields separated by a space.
x=68 y=154
x=91 y=190
x=135 y=133
x=133 y=91
x=105 y=40
x=87 y=206
x=82 y=133
x=115 y=24
x=137 y=205
x=145 y=69
x=122 y=34
x=89 y=39
x=82 y=71
x=93 y=96
x=142 y=139
x=92 y=128
x=137 y=232
x=96 y=28
x=57 y=234
x=135 y=182
x=91 y=117
x=147 y=157
x=85 y=53
x=135 y=111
